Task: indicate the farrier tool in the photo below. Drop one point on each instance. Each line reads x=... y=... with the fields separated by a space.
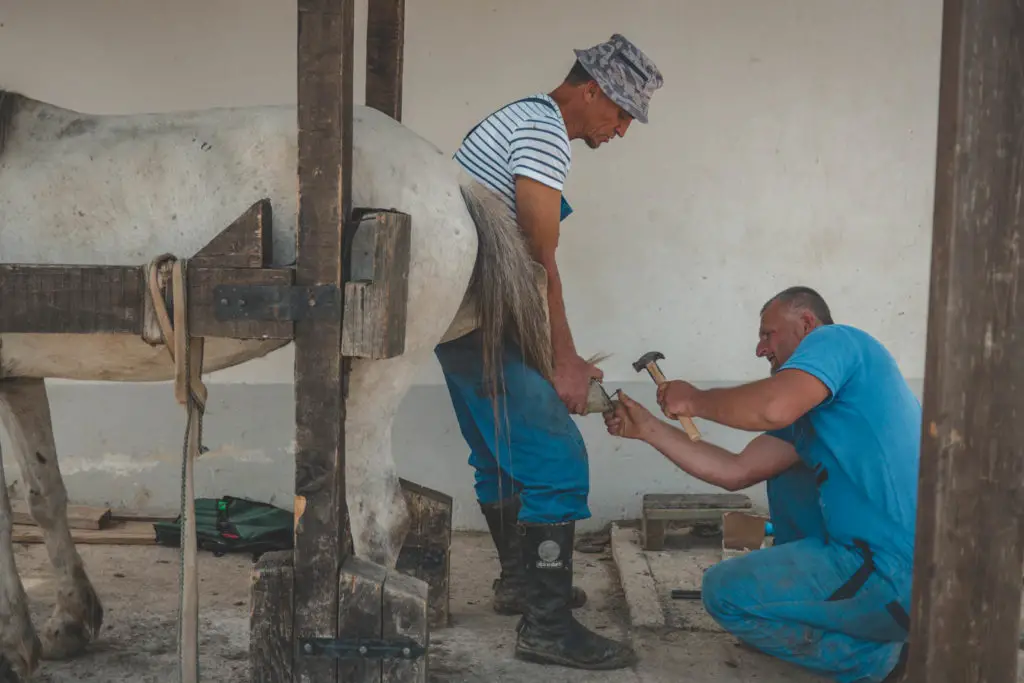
x=649 y=362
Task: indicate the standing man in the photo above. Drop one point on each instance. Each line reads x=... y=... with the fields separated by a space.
x=532 y=485
x=840 y=457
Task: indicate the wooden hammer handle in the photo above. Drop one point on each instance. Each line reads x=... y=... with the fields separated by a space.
x=688 y=426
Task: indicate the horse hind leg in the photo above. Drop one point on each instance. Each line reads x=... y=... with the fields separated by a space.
x=19 y=644
x=378 y=515
x=78 y=615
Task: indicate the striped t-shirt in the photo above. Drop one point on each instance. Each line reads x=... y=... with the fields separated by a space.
x=528 y=138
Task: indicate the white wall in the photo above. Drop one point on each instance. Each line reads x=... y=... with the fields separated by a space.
x=792 y=143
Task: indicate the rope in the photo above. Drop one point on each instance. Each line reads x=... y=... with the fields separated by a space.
x=187 y=354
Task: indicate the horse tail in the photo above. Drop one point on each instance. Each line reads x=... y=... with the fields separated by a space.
x=504 y=284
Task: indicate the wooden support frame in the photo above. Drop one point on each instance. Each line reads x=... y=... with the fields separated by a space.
x=967 y=568
x=322 y=537
x=385 y=55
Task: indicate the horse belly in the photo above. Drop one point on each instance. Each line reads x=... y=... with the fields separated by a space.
x=114 y=357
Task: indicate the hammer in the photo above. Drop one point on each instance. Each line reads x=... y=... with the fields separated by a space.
x=649 y=362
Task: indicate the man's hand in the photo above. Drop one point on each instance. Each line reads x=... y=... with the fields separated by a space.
x=572 y=382
x=678 y=399
x=630 y=420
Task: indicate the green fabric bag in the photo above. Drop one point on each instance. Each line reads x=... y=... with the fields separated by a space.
x=229 y=524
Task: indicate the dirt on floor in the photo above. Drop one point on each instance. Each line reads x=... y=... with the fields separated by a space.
x=138 y=586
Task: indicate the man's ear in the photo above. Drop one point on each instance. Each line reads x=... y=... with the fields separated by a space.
x=808 y=322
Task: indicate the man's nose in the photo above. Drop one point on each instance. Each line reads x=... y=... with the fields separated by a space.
x=762 y=350
x=622 y=128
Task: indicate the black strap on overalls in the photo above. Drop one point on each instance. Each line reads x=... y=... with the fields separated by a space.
x=863 y=573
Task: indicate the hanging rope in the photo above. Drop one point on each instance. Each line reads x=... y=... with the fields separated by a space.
x=187 y=354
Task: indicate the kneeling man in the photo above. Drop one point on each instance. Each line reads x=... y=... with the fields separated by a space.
x=839 y=454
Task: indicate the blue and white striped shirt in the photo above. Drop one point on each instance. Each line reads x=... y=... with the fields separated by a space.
x=528 y=138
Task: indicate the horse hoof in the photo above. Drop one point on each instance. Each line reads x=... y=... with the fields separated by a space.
x=76 y=621
x=16 y=665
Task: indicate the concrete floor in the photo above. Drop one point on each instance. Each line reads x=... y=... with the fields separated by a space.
x=139 y=589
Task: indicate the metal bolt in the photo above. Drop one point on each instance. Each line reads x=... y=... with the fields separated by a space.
x=362 y=649
x=223 y=302
x=308 y=648
x=406 y=651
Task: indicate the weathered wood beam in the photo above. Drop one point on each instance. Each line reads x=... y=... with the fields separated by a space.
x=426 y=551
x=377 y=289
x=967 y=567
x=385 y=55
x=204 y=301
x=271 y=649
x=68 y=299
x=246 y=243
x=322 y=539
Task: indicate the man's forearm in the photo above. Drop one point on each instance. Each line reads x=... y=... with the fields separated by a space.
x=706 y=461
x=749 y=407
x=561 y=336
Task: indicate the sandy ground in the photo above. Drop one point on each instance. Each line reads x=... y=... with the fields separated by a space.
x=139 y=589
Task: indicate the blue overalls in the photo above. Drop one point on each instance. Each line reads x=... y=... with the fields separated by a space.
x=833 y=593
x=537 y=451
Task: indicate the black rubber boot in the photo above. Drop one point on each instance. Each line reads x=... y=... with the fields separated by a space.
x=509 y=587
x=548 y=632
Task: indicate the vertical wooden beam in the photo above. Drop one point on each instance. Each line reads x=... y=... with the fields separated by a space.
x=325 y=40
x=967 y=580
x=385 y=55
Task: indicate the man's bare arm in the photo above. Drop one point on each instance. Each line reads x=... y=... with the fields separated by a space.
x=538 y=210
x=763 y=458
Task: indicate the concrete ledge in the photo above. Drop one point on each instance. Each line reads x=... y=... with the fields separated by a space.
x=637 y=579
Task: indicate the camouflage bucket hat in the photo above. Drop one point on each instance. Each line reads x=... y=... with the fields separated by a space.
x=626 y=75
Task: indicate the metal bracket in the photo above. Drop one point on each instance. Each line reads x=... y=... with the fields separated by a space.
x=362 y=648
x=276 y=302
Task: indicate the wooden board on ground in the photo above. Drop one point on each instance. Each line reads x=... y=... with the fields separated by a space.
x=426 y=552
x=660 y=508
x=79 y=516
x=118 y=533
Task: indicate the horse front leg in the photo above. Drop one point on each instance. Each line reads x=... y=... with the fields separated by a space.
x=19 y=644
x=78 y=614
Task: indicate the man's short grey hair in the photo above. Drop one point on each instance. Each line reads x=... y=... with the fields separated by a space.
x=805 y=298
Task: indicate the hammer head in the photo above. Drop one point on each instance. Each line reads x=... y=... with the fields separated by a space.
x=646 y=359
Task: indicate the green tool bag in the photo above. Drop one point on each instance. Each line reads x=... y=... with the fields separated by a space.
x=229 y=524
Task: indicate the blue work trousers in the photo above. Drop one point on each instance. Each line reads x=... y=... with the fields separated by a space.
x=777 y=600
x=534 y=449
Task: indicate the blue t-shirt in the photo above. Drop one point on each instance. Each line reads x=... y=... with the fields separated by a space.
x=863 y=442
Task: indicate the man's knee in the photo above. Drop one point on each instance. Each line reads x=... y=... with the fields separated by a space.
x=722 y=588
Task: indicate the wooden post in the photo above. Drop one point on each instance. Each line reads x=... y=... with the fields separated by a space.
x=385 y=48
x=322 y=539
x=967 y=573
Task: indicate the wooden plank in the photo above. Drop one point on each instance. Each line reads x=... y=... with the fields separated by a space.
x=378 y=288
x=695 y=501
x=361 y=591
x=405 y=615
x=125 y=533
x=270 y=634
x=322 y=538
x=78 y=516
x=385 y=55
x=202 y=302
x=426 y=552
x=968 y=552
x=246 y=243
x=68 y=299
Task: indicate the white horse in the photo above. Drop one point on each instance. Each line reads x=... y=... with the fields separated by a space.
x=82 y=189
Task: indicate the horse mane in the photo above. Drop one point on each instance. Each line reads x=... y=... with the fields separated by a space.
x=9 y=104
